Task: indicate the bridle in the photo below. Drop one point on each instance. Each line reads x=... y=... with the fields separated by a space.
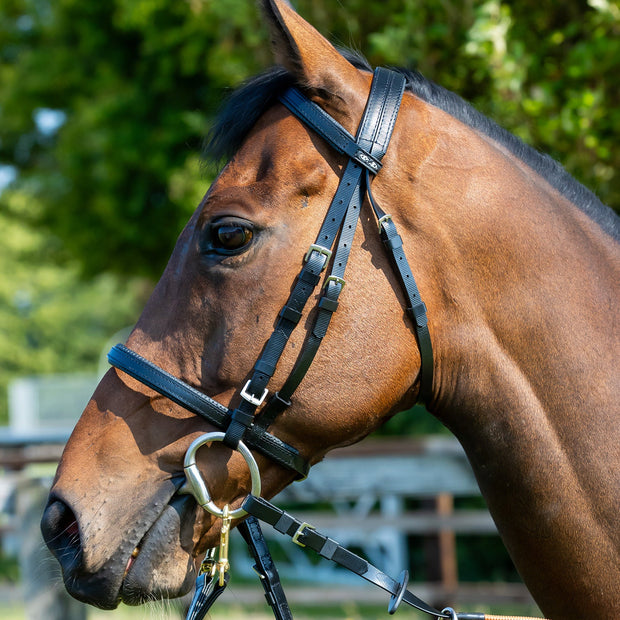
x=365 y=153
x=244 y=428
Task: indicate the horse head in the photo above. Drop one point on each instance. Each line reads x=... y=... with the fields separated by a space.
x=115 y=519
x=505 y=258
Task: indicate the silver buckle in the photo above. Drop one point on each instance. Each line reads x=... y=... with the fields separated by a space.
x=382 y=220
x=321 y=250
x=250 y=397
x=335 y=279
x=300 y=530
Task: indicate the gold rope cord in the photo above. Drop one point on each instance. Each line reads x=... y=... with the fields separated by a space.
x=491 y=617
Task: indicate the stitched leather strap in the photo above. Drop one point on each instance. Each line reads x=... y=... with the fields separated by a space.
x=305 y=535
x=323 y=124
x=191 y=399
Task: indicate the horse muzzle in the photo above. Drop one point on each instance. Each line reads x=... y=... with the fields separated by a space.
x=152 y=561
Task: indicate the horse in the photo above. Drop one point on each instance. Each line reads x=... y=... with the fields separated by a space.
x=517 y=264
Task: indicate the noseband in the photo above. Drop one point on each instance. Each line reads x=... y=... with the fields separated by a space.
x=365 y=153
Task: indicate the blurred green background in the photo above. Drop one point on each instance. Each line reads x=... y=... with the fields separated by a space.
x=104 y=105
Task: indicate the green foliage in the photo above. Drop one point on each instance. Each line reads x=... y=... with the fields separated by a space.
x=51 y=321
x=133 y=86
x=134 y=79
x=139 y=82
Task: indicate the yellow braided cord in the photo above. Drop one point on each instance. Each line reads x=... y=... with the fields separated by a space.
x=488 y=617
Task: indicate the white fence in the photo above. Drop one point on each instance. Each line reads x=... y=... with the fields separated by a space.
x=48 y=404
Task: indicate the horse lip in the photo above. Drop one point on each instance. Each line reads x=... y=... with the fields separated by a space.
x=135 y=587
x=130 y=561
x=106 y=588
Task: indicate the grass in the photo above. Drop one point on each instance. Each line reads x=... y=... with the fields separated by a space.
x=231 y=609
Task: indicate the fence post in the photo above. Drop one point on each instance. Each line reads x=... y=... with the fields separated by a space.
x=43 y=591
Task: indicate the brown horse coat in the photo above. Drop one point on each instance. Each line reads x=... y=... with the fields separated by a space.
x=522 y=293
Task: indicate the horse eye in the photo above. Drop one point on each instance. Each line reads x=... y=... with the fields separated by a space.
x=230 y=237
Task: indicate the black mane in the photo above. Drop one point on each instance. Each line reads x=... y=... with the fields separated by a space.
x=248 y=103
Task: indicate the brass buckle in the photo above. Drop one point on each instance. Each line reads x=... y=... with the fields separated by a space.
x=335 y=279
x=383 y=220
x=321 y=250
x=300 y=530
x=209 y=563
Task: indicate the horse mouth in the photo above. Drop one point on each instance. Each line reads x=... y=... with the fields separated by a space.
x=153 y=562
x=161 y=565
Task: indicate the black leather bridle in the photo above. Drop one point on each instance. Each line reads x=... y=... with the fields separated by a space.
x=365 y=153
x=243 y=426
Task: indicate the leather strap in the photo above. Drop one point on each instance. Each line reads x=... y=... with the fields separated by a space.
x=373 y=135
x=252 y=533
x=191 y=399
x=416 y=308
x=207 y=591
x=305 y=535
x=322 y=123
x=328 y=304
x=290 y=315
x=368 y=148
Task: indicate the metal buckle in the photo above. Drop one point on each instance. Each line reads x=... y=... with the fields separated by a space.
x=209 y=563
x=250 y=397
x=382 y=220
x=321 y=250
x=300 y=530
x=335 y=279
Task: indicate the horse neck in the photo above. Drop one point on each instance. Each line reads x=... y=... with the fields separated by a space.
x=509 y=268
x=522 y=290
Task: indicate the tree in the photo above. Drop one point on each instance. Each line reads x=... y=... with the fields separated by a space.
x=137 y=83
x=51 y=321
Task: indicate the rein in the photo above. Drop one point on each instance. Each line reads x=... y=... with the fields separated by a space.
x=243 y=427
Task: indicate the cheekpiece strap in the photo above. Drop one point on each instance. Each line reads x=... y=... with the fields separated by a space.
x=365 y=152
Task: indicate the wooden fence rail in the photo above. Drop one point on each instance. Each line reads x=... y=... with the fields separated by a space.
x=367 y=493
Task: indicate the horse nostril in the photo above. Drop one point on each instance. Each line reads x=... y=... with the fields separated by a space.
x=61 y=533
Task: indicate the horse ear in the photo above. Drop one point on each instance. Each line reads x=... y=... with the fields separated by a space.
x=310 y=57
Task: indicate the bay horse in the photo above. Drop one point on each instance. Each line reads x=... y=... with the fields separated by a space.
x=517 y=265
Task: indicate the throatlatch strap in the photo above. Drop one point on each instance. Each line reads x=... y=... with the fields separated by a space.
x=416 y=308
